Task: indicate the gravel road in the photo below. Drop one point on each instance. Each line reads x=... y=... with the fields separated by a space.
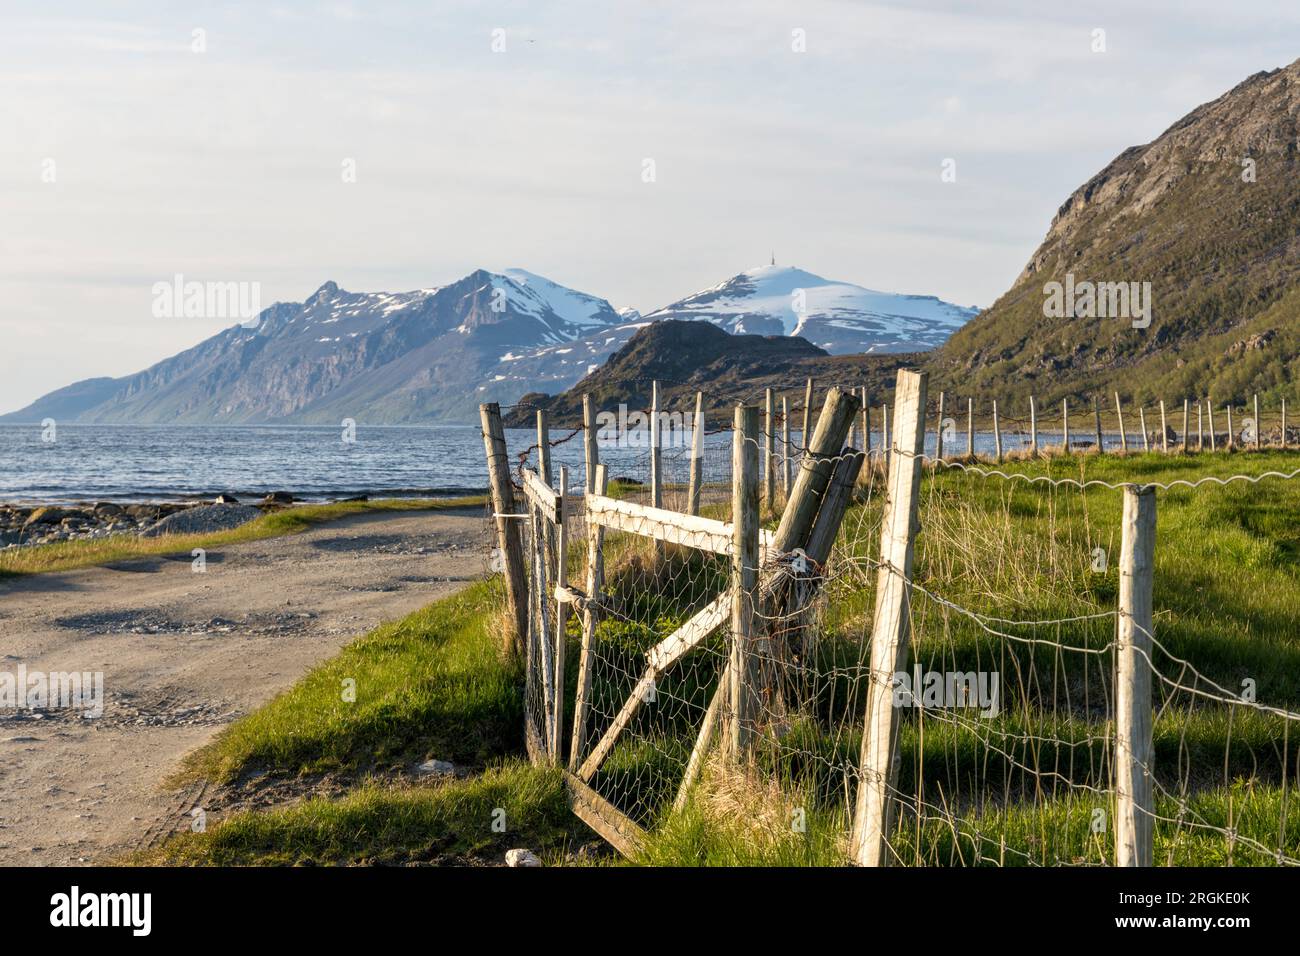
x=185 y=653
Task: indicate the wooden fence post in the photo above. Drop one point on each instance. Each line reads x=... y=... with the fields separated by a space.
x=1123 y=436
x=970 y=427
x=1209 y=412
x=544 y=446
x=1258 y=427
x=744 y=580
x=697 y=458
x=815 y=470
x=509 y=534
x=561 y=618
x=807 y=416
x=1187 y=425
x=1096 y=411
x=1164 y=429
x=873 y=809
x=866 y=422
x=885 y=446
x=1065 y=425
x=1200 y=427
x=997 y=432
x=1142 y=421
x=1134 y=804
x=938 y=432
x=785 y=449
x=595 y=582
x=1284 y=423
x=656 y=462
x=1033 y=427
x=590 y=449
x=1232 y=439
x=769 y=452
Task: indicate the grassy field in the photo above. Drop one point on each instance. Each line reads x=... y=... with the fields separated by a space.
x=1022 y=787
x=70 y=555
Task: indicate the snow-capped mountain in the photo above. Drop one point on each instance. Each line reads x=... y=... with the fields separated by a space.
x=433 y=354
x=838 y=316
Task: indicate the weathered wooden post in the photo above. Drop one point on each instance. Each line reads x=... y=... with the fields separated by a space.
x=1209 y=412
x=873 y=811
x=886 y=448
x=1232 y=439
x=815 y=470
x=1096 y=411
x=1065 y=425
x=1142 y=422
x=938 y=432
x=1187 y=425
x=589 y=446
x=806 y=434
x=561 y=618
x=997 y=432
x=970 y=427
x=1164 y=429
x=1123 y=436
x=785 y=449
x=866 y=422
x=595 y=582
x=769 y=453
x=656 y=462
x=744 y=580
x=1259 y=428
x=1200 y=428
x=1134 y=804
x=697 y=458
x=544 y=446
x=1033 y=427
x=1284 y=423
x=509 y=535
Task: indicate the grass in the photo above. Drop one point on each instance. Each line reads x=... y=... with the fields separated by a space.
x=70 y=555
x=511 y=804
x=431 y=684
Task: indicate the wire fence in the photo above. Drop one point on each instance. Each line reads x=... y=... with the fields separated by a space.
x=1006 y=746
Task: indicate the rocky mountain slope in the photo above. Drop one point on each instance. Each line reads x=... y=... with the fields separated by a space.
x=687 y=356
x=1208 y=213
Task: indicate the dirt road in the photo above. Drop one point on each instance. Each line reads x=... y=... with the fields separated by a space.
x=185 y=653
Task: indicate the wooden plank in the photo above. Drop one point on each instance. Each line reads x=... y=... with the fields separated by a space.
x=619 y=830
x=640 y=692
x=1134 y=800
x=541 y=494
x=689 y=636
x=890 y=628
x=705 y=534
x=703 y=740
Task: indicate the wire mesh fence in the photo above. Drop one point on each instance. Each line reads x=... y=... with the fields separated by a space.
x=1009 y=697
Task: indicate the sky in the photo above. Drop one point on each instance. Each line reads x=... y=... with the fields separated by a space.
x=394 y=146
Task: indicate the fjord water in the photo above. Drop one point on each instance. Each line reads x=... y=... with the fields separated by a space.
x=159 y=462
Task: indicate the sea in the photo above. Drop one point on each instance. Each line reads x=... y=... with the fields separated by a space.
x=75 y=462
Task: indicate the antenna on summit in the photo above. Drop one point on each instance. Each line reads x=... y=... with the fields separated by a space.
x=773 y=257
